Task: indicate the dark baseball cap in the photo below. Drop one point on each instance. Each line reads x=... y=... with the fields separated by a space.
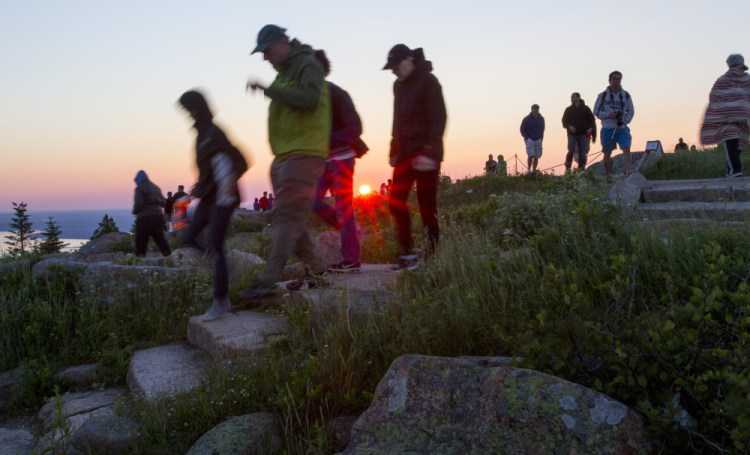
x=267 y=35
x=396 y=55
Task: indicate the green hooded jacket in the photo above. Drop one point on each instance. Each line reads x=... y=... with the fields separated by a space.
x=299 y=117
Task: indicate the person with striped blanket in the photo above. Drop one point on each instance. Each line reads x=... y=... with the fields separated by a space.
x=727 y=119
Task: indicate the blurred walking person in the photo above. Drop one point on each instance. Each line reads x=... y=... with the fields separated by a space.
x=727 y=119
x=220 y=166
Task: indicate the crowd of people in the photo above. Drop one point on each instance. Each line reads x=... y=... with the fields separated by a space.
x=315 y=132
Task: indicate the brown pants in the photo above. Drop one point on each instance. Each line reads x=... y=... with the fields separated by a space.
x=294 y=181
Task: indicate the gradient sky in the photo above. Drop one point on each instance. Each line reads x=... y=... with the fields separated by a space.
x=88 y=88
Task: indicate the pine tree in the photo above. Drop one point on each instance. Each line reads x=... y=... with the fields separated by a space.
x=106 y=225
x=19 y=239
x=51 y=243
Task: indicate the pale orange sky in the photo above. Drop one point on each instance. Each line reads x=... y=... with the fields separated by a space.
x=89 y=88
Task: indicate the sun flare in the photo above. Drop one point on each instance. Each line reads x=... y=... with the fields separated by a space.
x=364 y=190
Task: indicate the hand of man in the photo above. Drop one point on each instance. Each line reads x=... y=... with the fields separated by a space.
x=254 y=85
x=572 y=129
x=424 y=164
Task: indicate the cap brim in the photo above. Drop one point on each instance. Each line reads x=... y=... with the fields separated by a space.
x=260 y=48
x=388 y=66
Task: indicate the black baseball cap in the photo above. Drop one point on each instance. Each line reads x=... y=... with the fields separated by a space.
x=396 y=55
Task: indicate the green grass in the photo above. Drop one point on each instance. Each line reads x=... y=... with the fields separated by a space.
x=708 y=163
x=540 y=268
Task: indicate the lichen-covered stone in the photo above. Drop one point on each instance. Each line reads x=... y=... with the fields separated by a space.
x=105 y=435
x=244 y=435
x=438 y=405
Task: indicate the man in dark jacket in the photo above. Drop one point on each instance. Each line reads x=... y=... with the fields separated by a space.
x=579 y=122
x=419 y=119
x=220 y=165
x=345 y=147
x=148 y=208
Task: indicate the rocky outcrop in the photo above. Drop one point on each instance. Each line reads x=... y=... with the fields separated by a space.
x=48 y=267
x=627 y=193
x=111 y=283
x=248 y=434
x=103 y=244
x=432 y=405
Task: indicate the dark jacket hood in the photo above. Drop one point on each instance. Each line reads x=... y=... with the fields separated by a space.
x=140 y=177
x=420 y=63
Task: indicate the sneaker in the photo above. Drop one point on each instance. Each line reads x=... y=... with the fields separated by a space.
x=736 y=174
x=257 y=291
x=407 y=262
x=345 y=267
x=308 y=282
x=217 y=310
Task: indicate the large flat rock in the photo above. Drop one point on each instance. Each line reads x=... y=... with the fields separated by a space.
x=353 y=293
x=79 y=403
x=235 y=334
x=166 y=371
x=437 y=405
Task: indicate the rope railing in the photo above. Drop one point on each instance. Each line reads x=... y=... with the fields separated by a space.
x=591 y=158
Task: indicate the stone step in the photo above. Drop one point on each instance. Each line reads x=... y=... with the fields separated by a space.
x=354 y=293
x=235 y=334
x=165 y=371
x=704 y=190
x=718 y=211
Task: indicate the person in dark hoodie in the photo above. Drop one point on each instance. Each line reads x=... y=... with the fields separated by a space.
x=580 y=124
x=346 y=145
x=148 y=208
x=220 y=165
x=416 y=151
x=299 y=125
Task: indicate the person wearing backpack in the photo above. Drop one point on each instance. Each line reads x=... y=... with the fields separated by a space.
x=345 y=146
x=614 y=107
x=220 y=166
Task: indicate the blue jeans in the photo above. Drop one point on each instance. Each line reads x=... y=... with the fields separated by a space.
x=578 y=142
x=337 y=177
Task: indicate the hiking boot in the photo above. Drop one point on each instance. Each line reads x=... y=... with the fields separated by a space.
x=309 y=281
x=258 y=291
x=345 y=267
x=217 y=310
x=407 y=262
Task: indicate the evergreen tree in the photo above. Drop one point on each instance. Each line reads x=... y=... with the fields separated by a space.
x=51 y=243
x=19 y=239
x=106 y=225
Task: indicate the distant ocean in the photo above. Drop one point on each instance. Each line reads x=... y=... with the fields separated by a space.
x=77 y=226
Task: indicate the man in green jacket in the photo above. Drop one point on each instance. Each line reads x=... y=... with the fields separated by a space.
x=299 y=124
